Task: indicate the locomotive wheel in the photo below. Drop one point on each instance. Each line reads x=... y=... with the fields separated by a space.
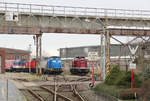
x=81 y=74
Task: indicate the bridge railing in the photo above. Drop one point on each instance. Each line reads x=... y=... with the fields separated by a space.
x=71 y=11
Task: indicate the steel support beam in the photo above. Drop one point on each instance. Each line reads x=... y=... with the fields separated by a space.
x=103 y=52
x=102 y=56
x=107 y=35
x=117 y=40
x=38 y=54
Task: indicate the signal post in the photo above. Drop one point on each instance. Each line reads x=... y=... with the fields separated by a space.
x=92 y=56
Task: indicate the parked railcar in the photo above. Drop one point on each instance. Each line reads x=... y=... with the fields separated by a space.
x=54 y=65
x=18 y=66
x=32 y=65
x=79 y=66
x=9 y=65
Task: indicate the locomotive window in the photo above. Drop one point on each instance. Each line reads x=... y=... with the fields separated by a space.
x=17 y=57
x=82 y=58
x=76 y=58
x=22 y=57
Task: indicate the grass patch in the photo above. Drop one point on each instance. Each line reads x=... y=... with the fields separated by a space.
x=108 y=90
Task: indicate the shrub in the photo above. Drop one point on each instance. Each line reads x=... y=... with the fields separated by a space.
x=129 y=94
x=113 y=75
x=103 y=89
x=145 y=90
x=146 y=74
x=125 y=80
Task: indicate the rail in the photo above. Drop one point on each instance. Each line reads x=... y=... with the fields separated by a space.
x=36 y=95
x=59 y=95
x=71 y=11
x=77 y=93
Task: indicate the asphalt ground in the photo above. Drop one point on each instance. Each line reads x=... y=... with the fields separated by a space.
x=9 y=92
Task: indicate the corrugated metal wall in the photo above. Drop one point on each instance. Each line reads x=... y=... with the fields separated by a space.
x=115 y=50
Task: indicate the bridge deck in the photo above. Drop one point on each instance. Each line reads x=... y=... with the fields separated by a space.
x=73 y=11
x=34 y=19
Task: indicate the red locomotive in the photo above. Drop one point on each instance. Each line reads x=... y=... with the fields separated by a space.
x=79 y=66
x=32 y=65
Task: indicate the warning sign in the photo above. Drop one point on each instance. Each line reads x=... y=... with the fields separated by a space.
x=132 y=66
x=92 y=56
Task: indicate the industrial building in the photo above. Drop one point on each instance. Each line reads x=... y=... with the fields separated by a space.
x=12 y=54
x=119 y=54
x=115 y=50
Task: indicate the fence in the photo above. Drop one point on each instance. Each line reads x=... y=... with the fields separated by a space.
x=71 y=11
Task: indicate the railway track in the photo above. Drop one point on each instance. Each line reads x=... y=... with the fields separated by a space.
x=77 y=93
x=47 y=94
x=37 y=96
x=56 y=92
x=73 y=88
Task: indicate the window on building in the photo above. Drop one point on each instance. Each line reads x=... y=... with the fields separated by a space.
x=22 y=57
x=17 y=57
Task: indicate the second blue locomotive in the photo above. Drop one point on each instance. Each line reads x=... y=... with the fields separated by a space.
x=54 y=65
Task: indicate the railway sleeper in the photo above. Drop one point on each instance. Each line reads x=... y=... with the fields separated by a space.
x=35 y=95
x=77 y=94
x=59 y=95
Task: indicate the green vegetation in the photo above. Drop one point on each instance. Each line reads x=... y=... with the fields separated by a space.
x=124 y=80
x=146 y=74
x=127 y=94
x=145 y=90
x=118 y=83
x=108 y=90
x=113 y=75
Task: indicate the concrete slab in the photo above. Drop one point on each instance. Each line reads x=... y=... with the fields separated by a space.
x=10 y=92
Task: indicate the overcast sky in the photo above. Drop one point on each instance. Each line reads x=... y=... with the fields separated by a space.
x=52 y=42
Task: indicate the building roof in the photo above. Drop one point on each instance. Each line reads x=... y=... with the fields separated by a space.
x=90 y=46
x=11 y=50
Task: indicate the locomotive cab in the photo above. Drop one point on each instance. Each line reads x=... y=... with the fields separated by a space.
x=31 y=65
x=54 y=65
x=79 y=66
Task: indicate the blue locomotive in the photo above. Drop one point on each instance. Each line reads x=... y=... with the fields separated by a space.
x=54 y=65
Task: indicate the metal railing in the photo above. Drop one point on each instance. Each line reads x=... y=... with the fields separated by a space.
x=72 y=11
